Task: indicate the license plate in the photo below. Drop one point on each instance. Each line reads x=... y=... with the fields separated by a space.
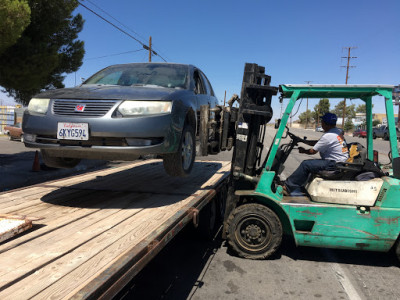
x=73 y=131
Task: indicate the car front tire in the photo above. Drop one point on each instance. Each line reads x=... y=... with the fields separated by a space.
x=180 y=164
x=59 y=162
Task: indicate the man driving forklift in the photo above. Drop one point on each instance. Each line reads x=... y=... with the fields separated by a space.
x=332 y=148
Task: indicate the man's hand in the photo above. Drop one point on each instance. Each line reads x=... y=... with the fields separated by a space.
x=307 y=151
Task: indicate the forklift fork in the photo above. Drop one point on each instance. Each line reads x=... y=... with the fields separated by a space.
x=243 y=128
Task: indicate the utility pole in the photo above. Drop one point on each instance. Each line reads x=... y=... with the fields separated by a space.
x=347 y=77
x=308 y=82
x=150 y=49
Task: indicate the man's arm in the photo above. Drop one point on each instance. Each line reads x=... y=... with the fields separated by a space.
x=307 y=151
x=310 y=142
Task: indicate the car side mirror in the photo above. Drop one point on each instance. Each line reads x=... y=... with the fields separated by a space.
x=277 y=123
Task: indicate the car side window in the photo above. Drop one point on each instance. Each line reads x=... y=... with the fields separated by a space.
x=199 y=84
x=209 y=88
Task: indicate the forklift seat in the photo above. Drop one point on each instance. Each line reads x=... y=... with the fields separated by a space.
x=348 y=170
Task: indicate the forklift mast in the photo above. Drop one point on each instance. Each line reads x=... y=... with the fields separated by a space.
x=242 y=127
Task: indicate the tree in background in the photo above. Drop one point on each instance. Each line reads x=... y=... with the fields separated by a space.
x=46 y=50
x=304 y=116
x=320 y=109
x=14 y=18
x=362 y=108
x=348 y=125
x=376 y=122
x=350 y=110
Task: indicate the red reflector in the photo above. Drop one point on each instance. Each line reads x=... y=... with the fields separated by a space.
x=376 y=156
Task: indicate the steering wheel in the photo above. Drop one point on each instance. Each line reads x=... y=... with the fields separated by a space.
x=295 y=138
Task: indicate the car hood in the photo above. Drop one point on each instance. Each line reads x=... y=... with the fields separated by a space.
x=98 y=92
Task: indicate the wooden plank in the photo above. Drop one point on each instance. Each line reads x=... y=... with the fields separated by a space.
x=59 y=217
x=11 y=225
x=92 y=221
x=76 y=265
x=65 y=239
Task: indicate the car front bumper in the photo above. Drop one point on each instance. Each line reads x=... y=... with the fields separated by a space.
x=109 y=138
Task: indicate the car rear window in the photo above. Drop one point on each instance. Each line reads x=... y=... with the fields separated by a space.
x=164 y=75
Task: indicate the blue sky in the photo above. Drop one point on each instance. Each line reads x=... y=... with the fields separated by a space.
x=296 y=41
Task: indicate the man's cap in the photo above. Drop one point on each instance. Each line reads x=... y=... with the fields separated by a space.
x=329 y=118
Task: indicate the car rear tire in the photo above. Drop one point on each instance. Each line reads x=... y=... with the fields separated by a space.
x=180 y=164
x=59 y=162
x=254 y=231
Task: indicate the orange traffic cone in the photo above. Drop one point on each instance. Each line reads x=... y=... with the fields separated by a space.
x=36 y=164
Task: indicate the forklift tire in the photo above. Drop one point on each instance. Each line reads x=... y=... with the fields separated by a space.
x=254 y=231
x=397 y=249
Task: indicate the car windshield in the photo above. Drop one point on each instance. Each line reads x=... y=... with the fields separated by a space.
x=151 y=74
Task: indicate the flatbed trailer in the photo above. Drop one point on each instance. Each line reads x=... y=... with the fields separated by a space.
x=94 y=232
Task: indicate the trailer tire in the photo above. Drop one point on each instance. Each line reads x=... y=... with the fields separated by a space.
x=254 y=231
x=180 y=163
x=59 y=162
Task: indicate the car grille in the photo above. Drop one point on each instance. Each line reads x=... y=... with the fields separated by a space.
x=92 y=108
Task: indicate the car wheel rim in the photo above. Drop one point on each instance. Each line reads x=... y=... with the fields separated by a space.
x=187 y=150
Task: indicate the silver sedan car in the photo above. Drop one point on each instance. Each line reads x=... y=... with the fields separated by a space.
x=120 y=113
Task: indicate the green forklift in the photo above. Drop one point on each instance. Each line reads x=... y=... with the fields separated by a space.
x=341 y=209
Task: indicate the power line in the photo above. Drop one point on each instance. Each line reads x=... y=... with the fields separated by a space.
x=102 y=10
x=123 y=31
x=115 y=54
x=128 y=28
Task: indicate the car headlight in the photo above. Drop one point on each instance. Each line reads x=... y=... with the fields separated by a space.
x=136 y=108
x=38 y=105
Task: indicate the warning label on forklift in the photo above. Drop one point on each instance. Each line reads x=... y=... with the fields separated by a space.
x=242 y=137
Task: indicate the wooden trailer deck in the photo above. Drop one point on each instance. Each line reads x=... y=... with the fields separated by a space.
x=96 y=231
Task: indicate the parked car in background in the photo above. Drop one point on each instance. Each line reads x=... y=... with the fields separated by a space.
x=120 y=113
x=360 y=133
x=14 y=132
x=319 y=129
x=383 y=132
